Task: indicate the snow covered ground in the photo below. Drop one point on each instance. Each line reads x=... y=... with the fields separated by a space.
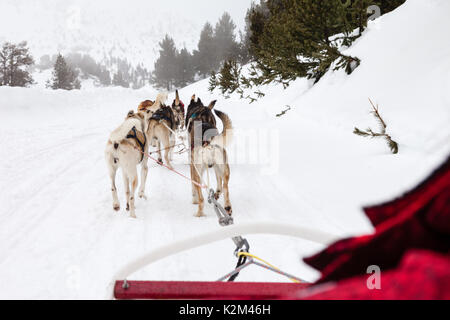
x=60 y=238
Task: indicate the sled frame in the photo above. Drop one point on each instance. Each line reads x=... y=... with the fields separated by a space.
x=181 y=290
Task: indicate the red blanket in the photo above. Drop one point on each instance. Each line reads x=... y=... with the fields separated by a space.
x=411 y=246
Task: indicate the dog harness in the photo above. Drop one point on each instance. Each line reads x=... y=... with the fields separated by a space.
x=133 y=135
x=162 y=114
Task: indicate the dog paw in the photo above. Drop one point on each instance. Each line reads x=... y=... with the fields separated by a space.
x=195 y=201
x=229 y=210
x=200 y=214
x=160 y=160
x=142 y=195
x=133 y=216
x=116 y=207
x=217 y=195
x=128 y=207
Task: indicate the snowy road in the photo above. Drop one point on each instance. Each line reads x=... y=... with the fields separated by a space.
x=60 y=238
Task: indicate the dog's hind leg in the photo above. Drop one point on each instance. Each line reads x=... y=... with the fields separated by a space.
x=219 y=172
x=167 y=145
x=159 y=151
x=173 y=141
x=194 y=191
x=134 y=183
x=112 y=174
x=144 y=173
x=197 y=179
x=126 y=184
x=226 y=179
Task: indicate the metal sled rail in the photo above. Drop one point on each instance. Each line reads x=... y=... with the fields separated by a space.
x=134 y=289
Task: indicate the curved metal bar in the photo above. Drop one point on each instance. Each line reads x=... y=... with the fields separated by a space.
x=218 y=235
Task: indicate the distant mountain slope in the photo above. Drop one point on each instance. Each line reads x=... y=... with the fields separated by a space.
x=100 y=32
x=103 y=29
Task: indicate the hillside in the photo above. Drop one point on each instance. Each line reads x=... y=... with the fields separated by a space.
x=60 y=238
x=128 y=30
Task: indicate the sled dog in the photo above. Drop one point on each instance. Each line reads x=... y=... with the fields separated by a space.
x=208 y=150
x=161 y=125
x=145 y=105
x=127 y=148
x=178 y=110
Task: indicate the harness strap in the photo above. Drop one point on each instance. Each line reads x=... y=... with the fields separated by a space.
x=160 y=117
x=136 y=138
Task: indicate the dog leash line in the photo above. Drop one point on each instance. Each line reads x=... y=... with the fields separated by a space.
x=173 y=170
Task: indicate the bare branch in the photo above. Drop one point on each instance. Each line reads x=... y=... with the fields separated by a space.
x=370 y=133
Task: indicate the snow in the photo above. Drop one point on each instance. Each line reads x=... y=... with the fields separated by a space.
x=103 y=29
x=60 y=238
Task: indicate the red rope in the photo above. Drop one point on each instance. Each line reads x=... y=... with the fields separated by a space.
x=173 y=170
x=177 y=145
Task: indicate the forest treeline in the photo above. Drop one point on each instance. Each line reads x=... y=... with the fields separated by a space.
x=283 y=40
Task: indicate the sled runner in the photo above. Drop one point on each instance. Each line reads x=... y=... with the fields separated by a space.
x=121 y=288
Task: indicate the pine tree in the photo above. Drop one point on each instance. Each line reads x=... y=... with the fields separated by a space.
x=165 y=67
x=229 y=76
x=213 y=82
x=105 y=77
x=119 y=81
x=64 y=76
x=387 y=6
x=296 y=39
x=245 y=55
x=185 y=70
x=225 y=39
x=256 y=19
x=205 y=56
x=14 y=61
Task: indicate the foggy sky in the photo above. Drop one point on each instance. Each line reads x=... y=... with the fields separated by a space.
x=198 y=10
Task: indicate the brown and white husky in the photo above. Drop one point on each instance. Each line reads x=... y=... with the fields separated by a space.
x=178 y=111
x=208 y=150
x=161 y=127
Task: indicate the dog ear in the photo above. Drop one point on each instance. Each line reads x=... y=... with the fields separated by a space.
x=130 y=113
x=199 y=102
x=212 y=104
x=193 y=98
x=177 y=98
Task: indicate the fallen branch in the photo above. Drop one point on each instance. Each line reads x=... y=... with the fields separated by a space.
x=370 y=133
x=284 y=112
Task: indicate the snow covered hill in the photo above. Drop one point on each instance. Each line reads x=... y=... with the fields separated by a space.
x=103 y=29
x=60 y=238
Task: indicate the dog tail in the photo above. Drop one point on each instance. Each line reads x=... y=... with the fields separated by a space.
x=118 y=135
x=225 y=138
x=161 y=100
